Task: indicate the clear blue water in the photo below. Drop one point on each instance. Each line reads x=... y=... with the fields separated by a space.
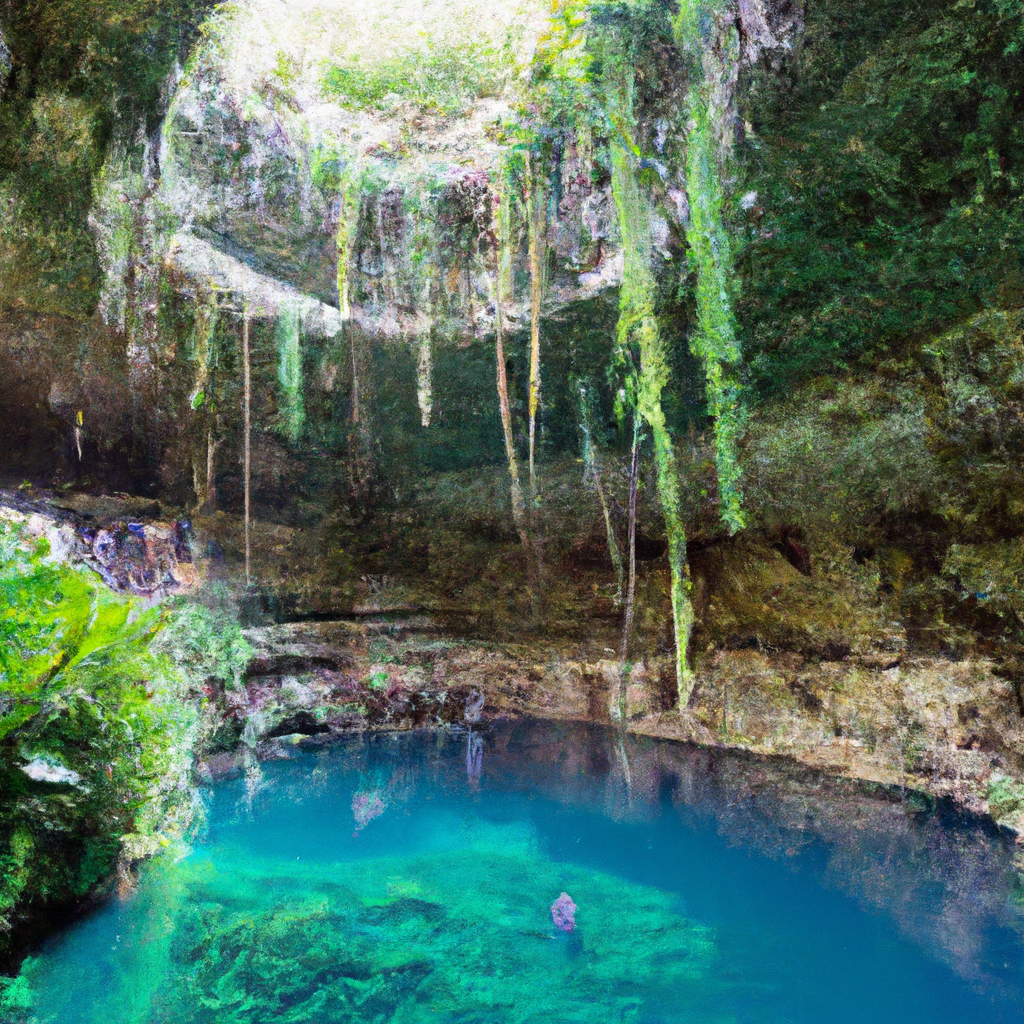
x=409 y=878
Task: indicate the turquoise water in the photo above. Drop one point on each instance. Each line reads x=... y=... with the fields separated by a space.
x=410 y=878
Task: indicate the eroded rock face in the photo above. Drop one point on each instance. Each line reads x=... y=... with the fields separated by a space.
x=122 y=541
x=392 y=130
x=948 y=728
x=289 y=141
x=283 y=128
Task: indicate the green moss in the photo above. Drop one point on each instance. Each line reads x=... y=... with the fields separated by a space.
x=203 y=638
x=715 y=340
x=991 y=573
x=842 y=456
x=1005 y=795
x=85 y=75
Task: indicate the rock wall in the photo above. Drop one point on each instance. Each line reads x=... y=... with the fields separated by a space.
x=353 y=198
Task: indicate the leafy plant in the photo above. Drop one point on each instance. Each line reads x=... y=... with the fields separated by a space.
x=887 y=184
x=98 y=718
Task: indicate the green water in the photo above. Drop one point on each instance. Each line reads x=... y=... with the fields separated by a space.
x=409 y=878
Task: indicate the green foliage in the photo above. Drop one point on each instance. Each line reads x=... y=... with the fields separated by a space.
x=325 y=171
x=59 y=631
x=440 y=75
x=888 y=183
x=562 y=91
x=714 y=341
x=203 y=638
x=97 y=699
x=978 y=427
x=643 y=347
x=378 y=679
x=572 y=90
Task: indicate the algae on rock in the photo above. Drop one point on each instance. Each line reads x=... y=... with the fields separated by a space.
x=464 y=931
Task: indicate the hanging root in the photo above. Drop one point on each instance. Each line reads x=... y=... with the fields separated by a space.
x=634 y=472
x=518 y=507
x=424 y=374
x=594 y=473
x=536 y=227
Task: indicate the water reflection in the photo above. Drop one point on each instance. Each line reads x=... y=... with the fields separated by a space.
x=474 y=759
x=948 y=881
x=945 y=880
x=641 y=880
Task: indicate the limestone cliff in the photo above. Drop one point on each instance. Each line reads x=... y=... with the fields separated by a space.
x=746 y=242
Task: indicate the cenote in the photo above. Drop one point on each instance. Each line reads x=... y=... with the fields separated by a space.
x=408 y=877
x=511 y=511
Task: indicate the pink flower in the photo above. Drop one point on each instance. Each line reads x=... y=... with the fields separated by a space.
x=563 y=913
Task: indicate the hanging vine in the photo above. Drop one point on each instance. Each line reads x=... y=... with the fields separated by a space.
x=592 y=472
x=502 y=280
x=535 y=201
x=715 y=340
x=202 y=400
x=638 y=331
x=289 y=370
